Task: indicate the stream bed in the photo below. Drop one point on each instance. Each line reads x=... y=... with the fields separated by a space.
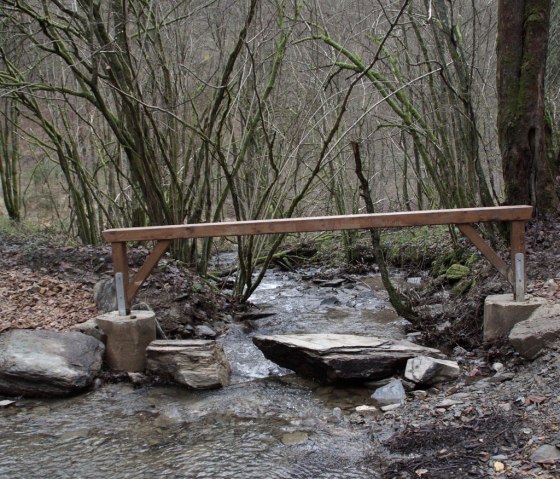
x=269 y=423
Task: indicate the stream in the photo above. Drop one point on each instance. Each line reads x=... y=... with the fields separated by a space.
x=269 y=423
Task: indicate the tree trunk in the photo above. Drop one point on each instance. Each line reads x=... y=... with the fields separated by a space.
x=521 y=52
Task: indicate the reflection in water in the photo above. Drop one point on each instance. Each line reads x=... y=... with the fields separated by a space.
x=268 y=424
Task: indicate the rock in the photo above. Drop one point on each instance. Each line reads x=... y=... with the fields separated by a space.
x=497 y=367
x=392 y=393
x=38 y=363
x=105 y=295
x=545 y=453
x=294 y=438
x=7 y=403
x=456 y=272
x=542 y=328
x=330 y=301
x=204 y=331
x=367 y=410
x=195 y=363
x=330 y=283
x=499 y=466
x=390 y=407
x=427 y=371
x=90 y=328
x=339 y=357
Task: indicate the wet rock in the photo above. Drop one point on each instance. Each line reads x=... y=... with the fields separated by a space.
x=542 y=328
x=39 y=363
x=340 y=357
x=294 y=438
x=546 y=452
x=392 y=393
x=204 y=331
x=427 y=371
x=330 y=283
x=330 y=301
x=195 y=363
x=105 y=295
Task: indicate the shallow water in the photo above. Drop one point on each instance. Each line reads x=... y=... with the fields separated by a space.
x=268 y=424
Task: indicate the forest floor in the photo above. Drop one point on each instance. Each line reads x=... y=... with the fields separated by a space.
x=489 y=423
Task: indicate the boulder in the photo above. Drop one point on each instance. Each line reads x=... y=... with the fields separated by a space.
x=105 y=295
x=392 y=393
x=340 y=357
x=195 y=363
x=38 y=363
x=427 y=371
x=529 y=337
x=90 y=328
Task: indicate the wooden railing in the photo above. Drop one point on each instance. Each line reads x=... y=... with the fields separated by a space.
x=464 y=219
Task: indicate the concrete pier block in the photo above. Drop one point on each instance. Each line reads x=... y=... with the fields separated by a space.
x=127 y=339
x=502 y=312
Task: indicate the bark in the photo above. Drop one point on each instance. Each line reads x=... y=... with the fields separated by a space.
x=521 y=50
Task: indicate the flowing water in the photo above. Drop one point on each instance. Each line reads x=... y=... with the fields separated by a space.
x=268 y=424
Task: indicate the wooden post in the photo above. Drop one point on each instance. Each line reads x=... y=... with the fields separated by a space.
x=120 y=269
x=518 y=259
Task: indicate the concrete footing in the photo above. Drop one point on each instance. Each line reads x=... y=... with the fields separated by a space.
x=127 y=339
x=502 y=313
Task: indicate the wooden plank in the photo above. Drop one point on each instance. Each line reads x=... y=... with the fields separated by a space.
x=326 y=223
x=485 y=248
x=150 y=263
x=517 y=245
x=120 y=265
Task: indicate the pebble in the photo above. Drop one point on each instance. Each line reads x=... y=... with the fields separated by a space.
x=447 y=403
x=367 y=410
x=294 y=438
x=420 y=394
x=390 y=407
x=7 y=403
x=499 y=466
x=497 y=367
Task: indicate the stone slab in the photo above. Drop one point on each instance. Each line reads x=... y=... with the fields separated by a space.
x=502 y=313
x=340 y=357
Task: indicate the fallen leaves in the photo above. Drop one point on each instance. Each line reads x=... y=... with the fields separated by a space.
x=34 y=300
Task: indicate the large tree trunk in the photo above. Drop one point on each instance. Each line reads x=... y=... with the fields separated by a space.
x=521 y=51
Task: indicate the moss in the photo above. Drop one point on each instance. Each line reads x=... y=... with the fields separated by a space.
x=456 y=272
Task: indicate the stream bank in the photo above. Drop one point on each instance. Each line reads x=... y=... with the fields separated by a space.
x=498 y=414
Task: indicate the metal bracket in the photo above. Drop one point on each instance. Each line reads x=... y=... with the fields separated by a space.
x=121 y=301
x=519 y=277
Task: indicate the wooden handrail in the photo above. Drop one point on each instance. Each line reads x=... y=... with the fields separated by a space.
x=463 y=218
x=321 y=223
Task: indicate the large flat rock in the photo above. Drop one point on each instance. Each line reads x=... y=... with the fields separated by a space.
x=37 y=363
x=340 y=357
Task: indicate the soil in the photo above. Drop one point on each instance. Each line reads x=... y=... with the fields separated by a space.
x=486 y=424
